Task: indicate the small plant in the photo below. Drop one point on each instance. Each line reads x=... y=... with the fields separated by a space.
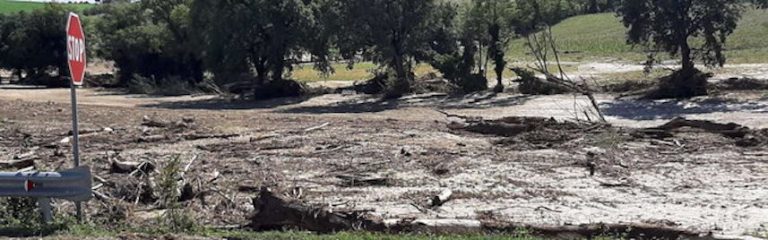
x=175 y=219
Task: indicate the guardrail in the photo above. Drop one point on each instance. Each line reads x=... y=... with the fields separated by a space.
x=72 y=185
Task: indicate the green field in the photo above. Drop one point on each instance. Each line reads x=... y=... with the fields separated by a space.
x=595 y=37
x=7 y=6
x=600 y=36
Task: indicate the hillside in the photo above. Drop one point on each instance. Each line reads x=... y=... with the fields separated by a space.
x=600 y=36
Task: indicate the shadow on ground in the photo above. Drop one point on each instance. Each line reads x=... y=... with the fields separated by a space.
x=225 y=104
x=370 y=104
x=354 y=103
x=664 y=110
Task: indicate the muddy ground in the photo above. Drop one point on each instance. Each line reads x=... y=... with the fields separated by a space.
x=310 y=147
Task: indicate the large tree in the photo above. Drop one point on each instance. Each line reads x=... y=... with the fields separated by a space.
x=396 y=33
x=269 y=39
x=670 y=25
x=494 y=19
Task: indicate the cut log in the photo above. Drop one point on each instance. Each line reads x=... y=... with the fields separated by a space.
x=442 y=198
x=149 y=122
x=130 y=167
x=123 y=167
x=362 y=180
x=18 y=164
x=318 y=127
x=275 y=212
x=25 y=155
x=192 y=137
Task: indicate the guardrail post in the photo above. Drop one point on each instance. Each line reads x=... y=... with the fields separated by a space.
x=45 y=209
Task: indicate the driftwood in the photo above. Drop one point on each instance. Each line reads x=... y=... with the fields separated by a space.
x=730 y=130
x=362 y=180
x=18 y=164
x=131 y=167
x=277 y=212
x=442 y=198
x=26 y=155
x=318 y=127
x=191 y=137
x=152 y=138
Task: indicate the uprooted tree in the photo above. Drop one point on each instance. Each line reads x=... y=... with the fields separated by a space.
x=670 y=25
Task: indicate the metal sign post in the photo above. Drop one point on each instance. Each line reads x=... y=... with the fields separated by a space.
x=77 y=62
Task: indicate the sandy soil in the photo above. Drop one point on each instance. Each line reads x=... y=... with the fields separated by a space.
x=698 y=180
x=694 y=180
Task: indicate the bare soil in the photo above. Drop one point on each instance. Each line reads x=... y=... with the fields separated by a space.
x=310 y=146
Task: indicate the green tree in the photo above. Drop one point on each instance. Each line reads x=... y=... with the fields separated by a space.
x=495 y=19
x=173 y=15
x=396 y=33
x=32 y=43
x=669 y=25
x=270 y=38
x=147 y=41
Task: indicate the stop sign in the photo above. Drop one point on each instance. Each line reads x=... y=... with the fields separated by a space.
x=76 y=49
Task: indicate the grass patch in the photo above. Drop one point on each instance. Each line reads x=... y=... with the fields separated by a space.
x=76 y=231
x=360 y=72
x=8 y=6
x=600 y=36
x=364 y=71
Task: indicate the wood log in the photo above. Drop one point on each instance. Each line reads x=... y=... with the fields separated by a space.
x=123 y=167
x=25 y=155
x=192 y=137
x=442 y=198
x=318 y=127
x=362 y=180
x=275 y=212
x=730 y=130
x=152 y=138
x=18 y=164
x=149 y=122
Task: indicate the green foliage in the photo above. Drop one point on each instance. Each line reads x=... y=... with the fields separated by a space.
x=34 y=42
x=669 y=25
x=393 y=33
x=19 y=212
x=270 y=37
x=492 y=23
x=151 y=40
x=176 y=219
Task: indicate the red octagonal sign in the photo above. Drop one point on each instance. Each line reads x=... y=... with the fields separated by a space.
x=76 y=49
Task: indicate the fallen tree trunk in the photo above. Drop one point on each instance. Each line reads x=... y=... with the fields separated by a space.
x=730 y=130
x=277 y=212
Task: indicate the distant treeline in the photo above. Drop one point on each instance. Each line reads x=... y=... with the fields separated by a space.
x=259 y=42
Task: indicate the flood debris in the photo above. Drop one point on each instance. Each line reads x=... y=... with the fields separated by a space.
x=743 y=136
x=363 y=179
x=276 y=211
